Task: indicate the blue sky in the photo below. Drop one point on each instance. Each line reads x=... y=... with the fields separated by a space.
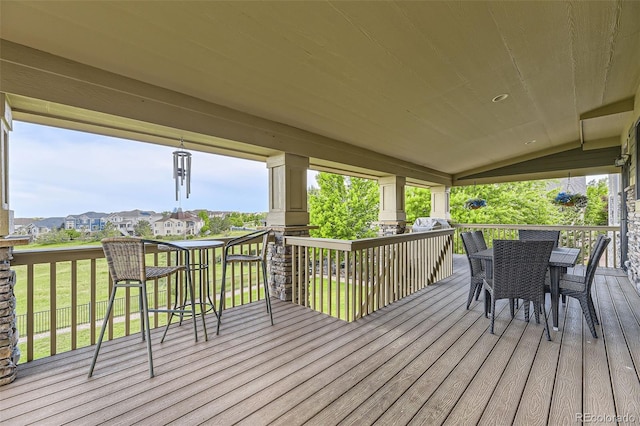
x=57 y=172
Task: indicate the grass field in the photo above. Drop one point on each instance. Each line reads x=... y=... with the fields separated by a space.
x=63 y=291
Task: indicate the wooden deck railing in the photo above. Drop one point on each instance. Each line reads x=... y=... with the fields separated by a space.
x=350 y=279
x=75 y=284
x=346 y=279
x=582 y=237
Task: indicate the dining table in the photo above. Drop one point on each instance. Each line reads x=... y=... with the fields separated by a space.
x=202 y=265
x=560 y=259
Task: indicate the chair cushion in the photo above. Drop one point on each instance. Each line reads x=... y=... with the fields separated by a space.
x=572 y=278
x=571 y=285
x=161 y=271
x=243 y=258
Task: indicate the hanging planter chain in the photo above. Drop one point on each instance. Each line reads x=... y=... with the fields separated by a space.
x=476 y=202
x=569 y=199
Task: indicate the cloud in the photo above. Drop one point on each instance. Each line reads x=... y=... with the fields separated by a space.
x=57 y=172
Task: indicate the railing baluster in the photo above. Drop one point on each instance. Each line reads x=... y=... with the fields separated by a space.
x=74 y=304
x=30 y=313
x=338 y=301
x=53 y=296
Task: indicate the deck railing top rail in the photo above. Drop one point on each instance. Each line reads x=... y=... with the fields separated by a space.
x=65 y=254
x=353 y=245
x=555 y=227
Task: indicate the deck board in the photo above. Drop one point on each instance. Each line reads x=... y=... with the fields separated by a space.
x=623 y=373
x=597 y=391
x=303 y=400
x=567 y=389
x=422 y=360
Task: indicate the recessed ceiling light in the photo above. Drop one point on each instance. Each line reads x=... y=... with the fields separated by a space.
x=530 y=142
x=500 y=98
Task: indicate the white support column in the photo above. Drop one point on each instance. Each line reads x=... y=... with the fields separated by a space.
x=9 y=350
x=5 y=127
x=288 y=215
x=392 y=216
x=440 y=202
x=288 y=190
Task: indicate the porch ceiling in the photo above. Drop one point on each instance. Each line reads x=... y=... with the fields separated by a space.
x=369 y=88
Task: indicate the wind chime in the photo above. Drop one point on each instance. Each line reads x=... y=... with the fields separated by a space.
x=182 y=169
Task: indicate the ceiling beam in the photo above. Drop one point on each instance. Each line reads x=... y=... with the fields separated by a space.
x=41 y=76
x=576 y=161
x=625 y=105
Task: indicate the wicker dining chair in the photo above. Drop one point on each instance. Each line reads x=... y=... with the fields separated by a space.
x=231 y=257
x=519 y=268
x=126 y=260
x=478 y=237
x=539 y=234
x=476 y=271
x=579 y=287
x=545 y=235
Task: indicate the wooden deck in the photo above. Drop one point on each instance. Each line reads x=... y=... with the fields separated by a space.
x=422 y=360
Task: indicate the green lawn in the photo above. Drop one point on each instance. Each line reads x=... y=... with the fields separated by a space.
x=63 y=290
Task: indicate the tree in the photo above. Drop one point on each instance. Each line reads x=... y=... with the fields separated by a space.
x=343 y=207
x=507 y=203
x=143 y=229
x=218 y=225
x=235 y=219
x=53 y=237
x=597 y=211
x=73 y=234
x=206 y=228
x=109 y=230
x=417 y=203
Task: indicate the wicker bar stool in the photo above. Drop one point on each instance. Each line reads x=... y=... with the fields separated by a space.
x=259 y=257
x=126 y=260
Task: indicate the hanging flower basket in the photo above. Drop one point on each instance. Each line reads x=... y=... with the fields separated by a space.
x=475 y=203
x=568 y=199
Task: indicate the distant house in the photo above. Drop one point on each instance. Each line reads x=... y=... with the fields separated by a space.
x=35 y=228
x=178 y=223
x=20 y=223
x=86 y=222
x=126 y=221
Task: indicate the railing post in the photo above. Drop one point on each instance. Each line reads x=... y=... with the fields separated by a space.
x=392 y=216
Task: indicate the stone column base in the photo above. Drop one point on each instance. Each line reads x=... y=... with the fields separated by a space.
x=9 y=351
x=392 y=228
x=280 y=262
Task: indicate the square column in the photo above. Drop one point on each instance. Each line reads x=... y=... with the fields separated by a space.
x=392 y=216
x=6 y=124
x=288 y=190
x=9 y=351
x=440 y=202
x=288 y=215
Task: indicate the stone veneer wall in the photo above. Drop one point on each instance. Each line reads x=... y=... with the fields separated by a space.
x=391 y=228
x=9 y=351
x=280 y=261
x=633 y=235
